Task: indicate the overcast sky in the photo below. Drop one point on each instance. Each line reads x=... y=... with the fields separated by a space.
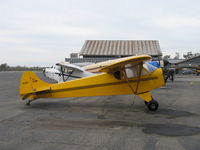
x=43 y=32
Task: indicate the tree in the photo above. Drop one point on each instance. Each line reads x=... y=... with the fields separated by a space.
x=166 y=57
x=3 y=66
x=177 y=55
x=190 y=55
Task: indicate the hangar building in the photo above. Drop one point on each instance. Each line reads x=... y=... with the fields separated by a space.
x=102 y=50
x=189 y=63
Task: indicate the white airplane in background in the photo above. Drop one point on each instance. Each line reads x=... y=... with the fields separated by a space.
x=65 y=71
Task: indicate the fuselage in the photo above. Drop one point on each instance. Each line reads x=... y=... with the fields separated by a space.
x=105 y=84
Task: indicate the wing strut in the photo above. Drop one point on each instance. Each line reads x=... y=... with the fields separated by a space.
x=62 y=73
x=138 y=81
x=69 y=75
x=139 y=76
x=128 y=81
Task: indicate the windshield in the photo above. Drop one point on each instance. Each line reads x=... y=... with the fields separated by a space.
x=149 y=67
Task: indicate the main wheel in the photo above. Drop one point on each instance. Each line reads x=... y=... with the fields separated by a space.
x=153 y=105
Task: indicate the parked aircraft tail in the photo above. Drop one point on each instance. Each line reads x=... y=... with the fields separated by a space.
x=31 y=84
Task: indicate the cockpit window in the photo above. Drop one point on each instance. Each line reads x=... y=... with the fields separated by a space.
x=117 y=75
x=149 y=67
x=69 y=71
x=133 y=70
x=58 y=68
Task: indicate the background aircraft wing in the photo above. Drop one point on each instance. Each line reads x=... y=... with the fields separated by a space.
x=70 y=66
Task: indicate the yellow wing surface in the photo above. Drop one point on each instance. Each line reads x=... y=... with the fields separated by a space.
x=106 y=65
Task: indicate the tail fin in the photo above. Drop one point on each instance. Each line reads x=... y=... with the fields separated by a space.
x=30 y=84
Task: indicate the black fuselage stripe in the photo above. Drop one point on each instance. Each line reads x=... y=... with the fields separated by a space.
x=102 y=85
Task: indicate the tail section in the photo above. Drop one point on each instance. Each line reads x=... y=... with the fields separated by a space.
x=31 y=84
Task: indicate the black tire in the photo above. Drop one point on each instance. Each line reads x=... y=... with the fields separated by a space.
x=153 y=105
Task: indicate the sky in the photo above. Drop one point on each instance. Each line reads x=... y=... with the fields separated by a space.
x=44 y=32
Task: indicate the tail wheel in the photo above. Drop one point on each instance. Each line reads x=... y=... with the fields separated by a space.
x=28 y=104
x=152 y=105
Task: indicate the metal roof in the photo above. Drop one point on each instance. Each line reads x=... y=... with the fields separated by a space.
x=81 y=60
x=174 y=61
x=121 y=47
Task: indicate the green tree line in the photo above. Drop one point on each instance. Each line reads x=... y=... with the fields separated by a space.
x=6 y=67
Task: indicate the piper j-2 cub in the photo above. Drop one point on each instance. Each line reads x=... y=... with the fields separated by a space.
x=130 y=75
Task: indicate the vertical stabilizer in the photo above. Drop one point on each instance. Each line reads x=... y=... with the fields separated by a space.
x=30 y=84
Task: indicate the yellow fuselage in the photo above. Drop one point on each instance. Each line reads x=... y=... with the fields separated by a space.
x=103 y=84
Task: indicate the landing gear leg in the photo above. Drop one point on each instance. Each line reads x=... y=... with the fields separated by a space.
x=146 y=103
x=133 y=100
x=152 y=105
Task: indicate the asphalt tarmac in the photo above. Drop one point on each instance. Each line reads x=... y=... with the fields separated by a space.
x=101 y=123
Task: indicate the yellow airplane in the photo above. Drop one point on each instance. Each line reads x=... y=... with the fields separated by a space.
x=197 y=71
x=129 y=75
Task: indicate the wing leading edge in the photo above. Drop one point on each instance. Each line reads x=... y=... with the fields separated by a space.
x=107 y=65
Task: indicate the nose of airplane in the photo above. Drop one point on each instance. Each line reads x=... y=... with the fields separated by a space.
x=158 y=74
x=161 y=77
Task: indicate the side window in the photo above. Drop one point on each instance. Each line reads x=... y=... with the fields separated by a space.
x=144 y=72
x=67 y=71
x=131 y=70
x=58 y=68
x=117 y=75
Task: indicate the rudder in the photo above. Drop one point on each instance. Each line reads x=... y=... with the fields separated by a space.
x=30 y=84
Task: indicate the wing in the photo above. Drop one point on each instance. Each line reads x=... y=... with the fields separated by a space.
x=70 y=66
x=124 y=61
x=107 y=65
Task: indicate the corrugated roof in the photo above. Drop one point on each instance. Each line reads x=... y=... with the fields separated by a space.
x=174 y=61
x=121 y=47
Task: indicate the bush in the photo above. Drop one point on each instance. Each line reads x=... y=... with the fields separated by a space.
x=5 y=67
